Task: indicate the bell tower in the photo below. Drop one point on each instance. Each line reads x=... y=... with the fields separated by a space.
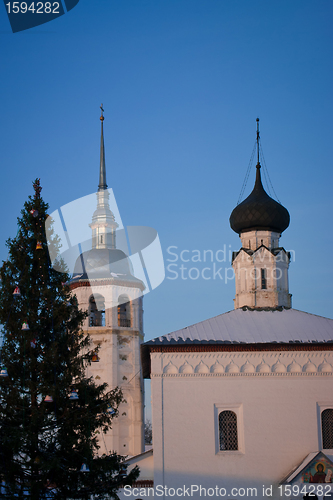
x=261 y=265
x=105 y=287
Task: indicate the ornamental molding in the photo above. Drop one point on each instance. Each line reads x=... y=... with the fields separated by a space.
x=202 y=347
x=274 y=254
x=195 y=375
x=269 y=364
x=286 y=374
x=107 y=282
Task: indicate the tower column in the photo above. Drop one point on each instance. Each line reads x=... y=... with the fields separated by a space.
x=102 y=280
x=261 y=265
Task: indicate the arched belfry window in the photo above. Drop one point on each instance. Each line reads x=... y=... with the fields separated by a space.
x=327 y=428
x=228 y=437
x=124 y=311
x=96 y=310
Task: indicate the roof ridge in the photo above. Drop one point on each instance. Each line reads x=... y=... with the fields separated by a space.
x=244 y=326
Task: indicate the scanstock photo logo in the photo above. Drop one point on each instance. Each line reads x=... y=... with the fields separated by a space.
x=129 y=256
x=25 y=15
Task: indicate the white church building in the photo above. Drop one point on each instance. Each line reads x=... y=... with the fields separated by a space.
x=242 y=403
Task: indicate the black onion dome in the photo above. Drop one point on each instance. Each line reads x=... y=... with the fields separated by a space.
x=259 y=211
x=103 y=263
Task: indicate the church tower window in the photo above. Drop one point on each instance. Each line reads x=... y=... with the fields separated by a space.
x=124 y=311
x=327 y=428
x=263 y=279
x=228 y=431
x=96 y=311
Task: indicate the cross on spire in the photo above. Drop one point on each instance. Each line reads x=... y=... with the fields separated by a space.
x=258 y=137
x=102 y=171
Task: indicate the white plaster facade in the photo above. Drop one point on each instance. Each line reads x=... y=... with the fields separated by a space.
x=276 y=396
x=261 y=271
x=119 y=361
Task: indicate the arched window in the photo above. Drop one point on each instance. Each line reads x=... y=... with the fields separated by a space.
x=327 y=428
x=228 y=430
x=96 y=310
x=124 y=311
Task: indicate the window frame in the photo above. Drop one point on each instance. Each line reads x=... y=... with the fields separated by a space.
x=263 y=278
x=100 y=313
x=320 y=408
x=229 y=439
x=238 y=410
x=128 y=321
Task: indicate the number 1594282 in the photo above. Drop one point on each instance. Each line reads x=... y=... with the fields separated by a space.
x=33 y=7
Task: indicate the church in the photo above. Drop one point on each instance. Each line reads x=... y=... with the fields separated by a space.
x=242 y=403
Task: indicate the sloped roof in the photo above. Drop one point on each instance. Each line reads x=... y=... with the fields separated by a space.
x=319 y=455
x=253 y=327
x=139 y=456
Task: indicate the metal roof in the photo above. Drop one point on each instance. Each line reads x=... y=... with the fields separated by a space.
x=259 y=211
x=253 y=327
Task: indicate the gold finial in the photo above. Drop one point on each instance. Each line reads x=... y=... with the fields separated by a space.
x=102 y=111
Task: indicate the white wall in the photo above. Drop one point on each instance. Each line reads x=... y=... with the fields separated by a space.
x=280 y=423
x=119 y=363
x=249 y=291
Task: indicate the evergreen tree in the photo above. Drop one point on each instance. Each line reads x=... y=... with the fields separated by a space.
x=51 y=413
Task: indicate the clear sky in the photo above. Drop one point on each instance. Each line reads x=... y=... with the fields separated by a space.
x=182 y=83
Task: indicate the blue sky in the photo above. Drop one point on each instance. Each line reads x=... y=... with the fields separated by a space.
x=182 y=83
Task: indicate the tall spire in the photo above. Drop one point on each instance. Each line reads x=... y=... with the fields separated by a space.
x=103 y=223
x=102 y=171
x=258 y=137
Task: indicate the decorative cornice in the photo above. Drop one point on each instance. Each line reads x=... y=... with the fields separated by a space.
x=255 y=374
x=158 y=350
x=252 y=365
x=143 y=483
x=250 y=253
x=316 y=346
x=106 y=282
x=116 y=330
